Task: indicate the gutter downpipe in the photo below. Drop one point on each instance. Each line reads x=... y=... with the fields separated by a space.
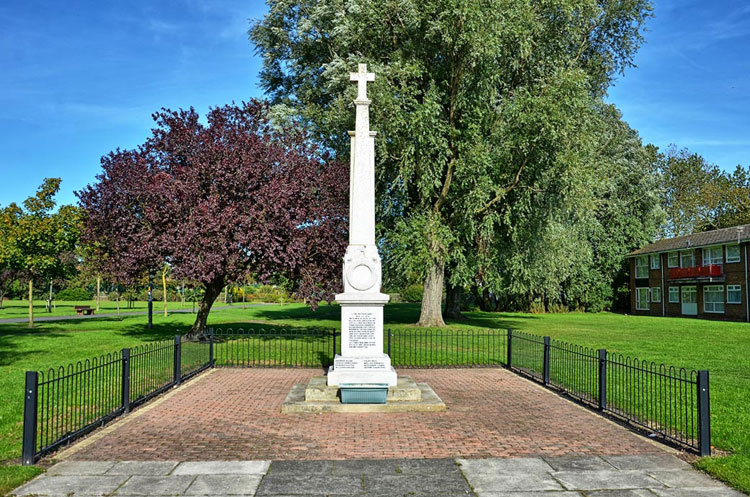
x=663 y=295
x=747 y=296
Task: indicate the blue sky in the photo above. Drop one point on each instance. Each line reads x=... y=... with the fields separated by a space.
x=82 y=77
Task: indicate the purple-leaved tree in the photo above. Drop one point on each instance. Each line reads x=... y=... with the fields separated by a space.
x=219 y=201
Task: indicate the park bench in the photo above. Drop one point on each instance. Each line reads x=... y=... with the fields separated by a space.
x=83 y=309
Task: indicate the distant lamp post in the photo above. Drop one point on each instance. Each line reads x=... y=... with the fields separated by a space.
x=150 y=300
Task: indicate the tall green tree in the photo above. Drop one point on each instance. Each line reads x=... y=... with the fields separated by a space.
x=734 y=209
x=482 y=110
x=691 y=196
x=577 y=260
x=9 y=258
x=43 y=239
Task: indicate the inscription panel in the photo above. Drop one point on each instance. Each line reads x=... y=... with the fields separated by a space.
x=362 y=330
x=362 y=363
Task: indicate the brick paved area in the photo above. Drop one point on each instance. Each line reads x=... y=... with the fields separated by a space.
x=234 y=414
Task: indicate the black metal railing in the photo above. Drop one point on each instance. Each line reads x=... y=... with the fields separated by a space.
x=671 y=403
x=275 y=348
x=416 y=348
x=65 y=403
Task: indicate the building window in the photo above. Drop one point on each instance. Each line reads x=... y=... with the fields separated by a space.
x=733 y=253
x=655 y=294
x=641 y=267
x=713 y=298
x=674 y=295
x=734 y=294
x=673 y=259
x=641 y=299
x=713 y=255
x=655 y=261
x=687 y=258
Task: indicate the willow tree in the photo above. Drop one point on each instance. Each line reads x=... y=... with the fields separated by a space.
x=481 y=110
x=219 y=201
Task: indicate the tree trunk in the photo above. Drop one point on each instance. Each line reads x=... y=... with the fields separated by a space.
x=453 y=297
x=432 y=297
x=98 y=292
x=164 y=288
x=213 y=290
x=118 y=304
x=31 y=303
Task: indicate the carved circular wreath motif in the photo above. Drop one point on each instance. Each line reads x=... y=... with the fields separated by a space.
x=361 y=277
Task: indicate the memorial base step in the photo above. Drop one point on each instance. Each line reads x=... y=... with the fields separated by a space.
x=317 y=397
x=319 y=390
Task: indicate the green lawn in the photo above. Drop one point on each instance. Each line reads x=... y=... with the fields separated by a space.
x=723 y=348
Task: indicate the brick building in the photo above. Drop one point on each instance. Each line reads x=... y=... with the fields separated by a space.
x=702 y=275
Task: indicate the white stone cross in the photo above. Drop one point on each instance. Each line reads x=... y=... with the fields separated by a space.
x=362 y=78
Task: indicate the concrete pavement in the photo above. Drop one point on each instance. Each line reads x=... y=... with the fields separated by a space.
x=565 y=476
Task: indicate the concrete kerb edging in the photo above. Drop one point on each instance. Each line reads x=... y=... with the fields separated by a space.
x=135 y=414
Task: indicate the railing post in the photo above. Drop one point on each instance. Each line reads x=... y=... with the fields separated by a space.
x=29 y=417
x=389 y=342
x=211 y=347
x=177 y=359
x=510 y=347
x=602 y=379
x=545 y=363
x=126 y=380
x=704 y=414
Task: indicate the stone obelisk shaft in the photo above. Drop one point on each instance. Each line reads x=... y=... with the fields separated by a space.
x=362 y=360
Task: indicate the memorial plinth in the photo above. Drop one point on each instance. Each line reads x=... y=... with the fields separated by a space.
x=362 y=359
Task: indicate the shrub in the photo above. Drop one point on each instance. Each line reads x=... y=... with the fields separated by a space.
x=73 y=294
x=412 y=293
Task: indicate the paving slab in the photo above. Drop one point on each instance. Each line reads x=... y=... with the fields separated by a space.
x=487 y=483
x=224 y=484
x=578 y=463
x=70 y=485
x=283 y=484
x=563 y=493
x=686 y=478
x=638 y=492
x=428 y=466
x=505 y=465
x=697 y=492
x=302 y=467
x=155 y=485
x=142 y=468
x=647 y=461
x=81 y=468
x=222 y=468
x=606 y=480
x=416 y=485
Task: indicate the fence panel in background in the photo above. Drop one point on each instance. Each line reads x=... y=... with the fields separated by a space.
x=72 y=400
x=429 y=348
x=275 y=348
x=194 y=356
x=527 y=354
x=663 y=399
x=151 y=370
x=575 y=370
x=65 y=403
